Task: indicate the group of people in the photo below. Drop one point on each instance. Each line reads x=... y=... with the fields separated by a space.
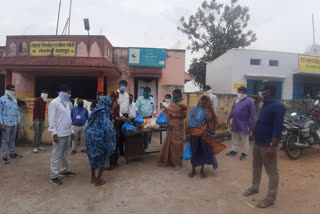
x=99 y=134
x=203 y=124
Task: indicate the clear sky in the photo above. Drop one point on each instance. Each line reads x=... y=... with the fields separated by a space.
x=282 y=25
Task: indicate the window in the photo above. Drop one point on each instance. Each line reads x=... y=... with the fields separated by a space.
x=255 y=61
x=273 y=62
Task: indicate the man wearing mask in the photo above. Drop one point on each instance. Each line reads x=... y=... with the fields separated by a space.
x=132 y=108
x=123 y=102
x=166 y=102
x=146 y=106
x=94 y=103
x=267 y=134
x=123 y=99
x=214 y=100
x=39 y=116
x=79 y=116
x=242 y=115
x=60 y=127
x=9 y=122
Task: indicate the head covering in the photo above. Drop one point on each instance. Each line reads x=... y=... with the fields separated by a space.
x=104 y=106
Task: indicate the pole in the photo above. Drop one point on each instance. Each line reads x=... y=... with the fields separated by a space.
x=58 y=18
x=314 y=39
x=69 y=16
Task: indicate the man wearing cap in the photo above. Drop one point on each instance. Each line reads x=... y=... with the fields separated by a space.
x=123 y=102
x=242 y=115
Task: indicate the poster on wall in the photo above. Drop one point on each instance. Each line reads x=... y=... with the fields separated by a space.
x=153 y=57
x=309 y=63
x=152 y=84
x=236 y=85
x=55 y=48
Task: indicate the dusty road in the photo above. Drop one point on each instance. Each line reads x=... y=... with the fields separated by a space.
x=144 y=187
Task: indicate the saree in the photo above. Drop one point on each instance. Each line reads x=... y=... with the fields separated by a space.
x=172 y=148
x=203 y=123
x=100 y=133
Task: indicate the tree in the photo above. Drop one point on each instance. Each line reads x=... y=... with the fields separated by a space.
x=213 y=30
x=197 y=71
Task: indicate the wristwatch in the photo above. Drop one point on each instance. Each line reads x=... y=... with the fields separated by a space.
x=273 y=144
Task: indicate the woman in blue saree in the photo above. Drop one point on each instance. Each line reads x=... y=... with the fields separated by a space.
x=101 y=138
x=203 y=123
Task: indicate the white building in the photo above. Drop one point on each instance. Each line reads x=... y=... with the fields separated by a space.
x=292 y=74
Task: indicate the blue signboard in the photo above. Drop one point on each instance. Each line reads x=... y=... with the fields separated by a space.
x=152 y=57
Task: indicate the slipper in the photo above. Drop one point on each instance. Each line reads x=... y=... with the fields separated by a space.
x=265 y=203
x=250 y=192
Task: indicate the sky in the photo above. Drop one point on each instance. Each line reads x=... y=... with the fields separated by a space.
x=280 y=25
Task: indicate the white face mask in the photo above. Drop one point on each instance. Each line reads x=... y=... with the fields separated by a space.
x=44 y=97
x=260 y=95
x=241 y=96
x=167 y=100
x=11 y=94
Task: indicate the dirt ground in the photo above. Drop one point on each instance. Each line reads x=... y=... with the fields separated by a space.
x=144 y=187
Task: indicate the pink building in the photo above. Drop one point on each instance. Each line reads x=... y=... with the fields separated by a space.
x=89 y=64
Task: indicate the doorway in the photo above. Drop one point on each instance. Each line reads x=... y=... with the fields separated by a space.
x=84 y=87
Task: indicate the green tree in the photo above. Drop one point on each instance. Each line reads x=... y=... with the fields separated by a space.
x=213 y=30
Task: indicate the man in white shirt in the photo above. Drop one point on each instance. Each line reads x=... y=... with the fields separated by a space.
x=123 y=101
x=132 y=108
x=60 y=127
x=214 y=100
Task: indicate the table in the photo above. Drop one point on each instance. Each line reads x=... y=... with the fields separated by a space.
x=134 y=142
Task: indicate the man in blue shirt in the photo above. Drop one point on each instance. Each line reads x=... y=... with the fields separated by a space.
x=9 y=122
x=79 y=116
x=146 y=106
x=267 y=134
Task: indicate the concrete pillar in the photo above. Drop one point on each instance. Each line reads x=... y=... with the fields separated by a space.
x=100 y=82
x=8 y=78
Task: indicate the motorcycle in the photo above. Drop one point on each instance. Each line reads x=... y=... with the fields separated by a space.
x=302 y=133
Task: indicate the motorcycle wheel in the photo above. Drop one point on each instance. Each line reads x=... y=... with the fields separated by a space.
x=290 y=149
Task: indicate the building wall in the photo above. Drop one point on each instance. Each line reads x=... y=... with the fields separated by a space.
x=242 y=70
x=219 y=72
x=25 y=84
x=172 y=76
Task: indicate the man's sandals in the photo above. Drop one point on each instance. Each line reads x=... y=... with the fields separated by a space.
x=263 y=204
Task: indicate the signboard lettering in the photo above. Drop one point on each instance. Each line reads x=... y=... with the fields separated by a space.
x=55 y=48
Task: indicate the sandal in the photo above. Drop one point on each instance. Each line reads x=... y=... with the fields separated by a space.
x=250 y=192
x=265 y=203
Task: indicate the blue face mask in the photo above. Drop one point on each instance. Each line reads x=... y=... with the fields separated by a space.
x=123 y=88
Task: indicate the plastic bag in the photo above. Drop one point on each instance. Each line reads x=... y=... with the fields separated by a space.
x=139 y=119
x=127 y=127
x=162 y=120
x=187 y=154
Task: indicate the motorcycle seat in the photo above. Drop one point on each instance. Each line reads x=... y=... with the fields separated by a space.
x=299 y=125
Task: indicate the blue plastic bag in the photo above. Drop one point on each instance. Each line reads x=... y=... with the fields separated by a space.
x=162 y=120
x=139 y=119
x=187 y=154
x=127 y=127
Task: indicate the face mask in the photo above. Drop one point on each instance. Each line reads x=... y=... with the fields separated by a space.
x=175 y=98
x=11 y=94
x=146 y=95
x=261 y=95
x=123 y=88
x=44 y=97
x=80 y=104
x=241 y=96
x=130 y=99
x=167 y=100
x=64 y=96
